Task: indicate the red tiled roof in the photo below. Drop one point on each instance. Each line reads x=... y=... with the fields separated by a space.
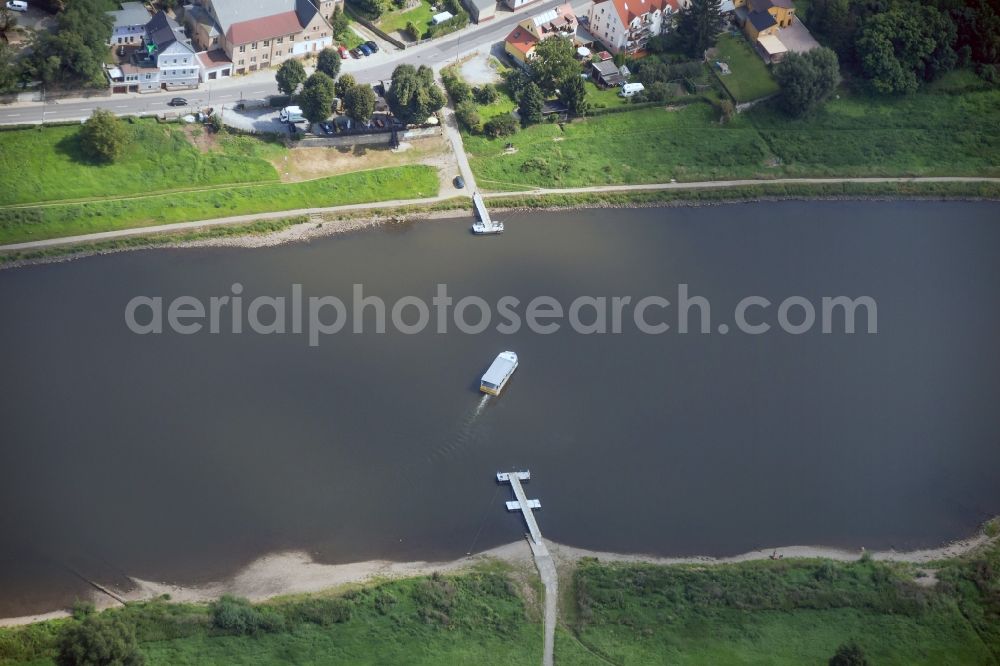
x=214 y=58
x=629 y=9
x=522 y=40
x=268 y=27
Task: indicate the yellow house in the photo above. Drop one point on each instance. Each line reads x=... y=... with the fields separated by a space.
x=764 y=17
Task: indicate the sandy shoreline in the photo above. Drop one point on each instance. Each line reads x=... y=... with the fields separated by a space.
x=295 y=572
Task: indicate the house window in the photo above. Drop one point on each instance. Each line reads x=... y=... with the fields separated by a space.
x=281 y=40
x=277 y=54
x=254 y=46
x=243 y=49
x=266 y=42
x=240 y=62
x=253 y=58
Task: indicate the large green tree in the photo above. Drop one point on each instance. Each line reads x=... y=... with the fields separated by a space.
x=900 y=48
x=328 y=62
x=8 y=70
x=573 y=94
x=103 y=137
x=344 y=83
x=291 y=74
x=359 y=102
x=316 y=98
x=807 y=80
x=529 y=105
x=99 y=640
x=698 y=26
x=414 y=94
x=72 y=54
x=554 y=62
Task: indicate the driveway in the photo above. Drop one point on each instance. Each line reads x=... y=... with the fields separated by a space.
x=254 y=120
x=797 y=38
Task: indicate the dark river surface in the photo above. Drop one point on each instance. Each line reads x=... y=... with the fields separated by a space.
x=182 y=457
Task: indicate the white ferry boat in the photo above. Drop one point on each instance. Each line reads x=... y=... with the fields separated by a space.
x=496 y=377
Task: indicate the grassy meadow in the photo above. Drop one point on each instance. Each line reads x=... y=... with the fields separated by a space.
x=46 y=163
x=950 y=133
x=788 y=612
x=22 y=224
x=165 y=177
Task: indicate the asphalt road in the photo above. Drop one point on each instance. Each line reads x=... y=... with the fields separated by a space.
x=230 y=91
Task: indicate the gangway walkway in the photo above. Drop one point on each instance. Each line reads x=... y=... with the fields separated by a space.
x=543 y=561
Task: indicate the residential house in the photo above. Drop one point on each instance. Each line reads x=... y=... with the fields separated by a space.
x=481 y=10
x=165 y=59
x=626 y=25
x=763 y=17
x=130 y=24
x=559 y=21
x=771 y=49
x=517 y=4
x=256 y=34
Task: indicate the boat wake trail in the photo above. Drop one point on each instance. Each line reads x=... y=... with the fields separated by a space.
x=465 y=432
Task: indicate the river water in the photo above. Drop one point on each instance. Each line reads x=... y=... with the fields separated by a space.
x=182 y=457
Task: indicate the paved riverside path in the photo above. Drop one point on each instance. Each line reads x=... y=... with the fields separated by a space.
x=254 y=217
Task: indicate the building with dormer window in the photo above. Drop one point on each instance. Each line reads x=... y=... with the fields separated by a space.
x=625 y=26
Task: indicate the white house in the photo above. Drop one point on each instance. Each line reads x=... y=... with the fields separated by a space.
x=167 y=59
x=625 y=26
x=130 y=23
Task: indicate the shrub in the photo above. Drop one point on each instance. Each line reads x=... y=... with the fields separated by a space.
x=323 y=612
x=235 y=615
x=486 y=94
x=849 y=654
x=468 y=116
x=99 y=640
x=503 y=125
x=82 y=608
x=458 y=90
x=384 y=601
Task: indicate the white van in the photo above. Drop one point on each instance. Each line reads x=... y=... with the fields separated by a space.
x=629 y=89
x=17 y=5
x=291 y=114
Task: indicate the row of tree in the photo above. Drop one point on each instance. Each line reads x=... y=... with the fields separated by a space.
x=72 y=54
x=413 y=96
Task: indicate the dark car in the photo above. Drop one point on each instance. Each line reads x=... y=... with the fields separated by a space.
x=459 y=182
x=365 y=50
x=373 y=46
x=356 y=52
x=326 y=128
x=178 y=101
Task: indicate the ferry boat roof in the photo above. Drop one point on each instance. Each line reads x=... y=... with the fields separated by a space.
x=502 y=366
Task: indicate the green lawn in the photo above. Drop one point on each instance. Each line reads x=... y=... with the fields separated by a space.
x=420 y=16
x=55 y=220
x=46 y=164
x=603 y=98
x=919 y=135
x=750 y=78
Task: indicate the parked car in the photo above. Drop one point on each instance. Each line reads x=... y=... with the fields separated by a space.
x=355 y=53
x=326 y=128
x=177 y=101
x=365 y=50
x=459 y=182
x=344 y=53
x=372 y=45
x=17 y=5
